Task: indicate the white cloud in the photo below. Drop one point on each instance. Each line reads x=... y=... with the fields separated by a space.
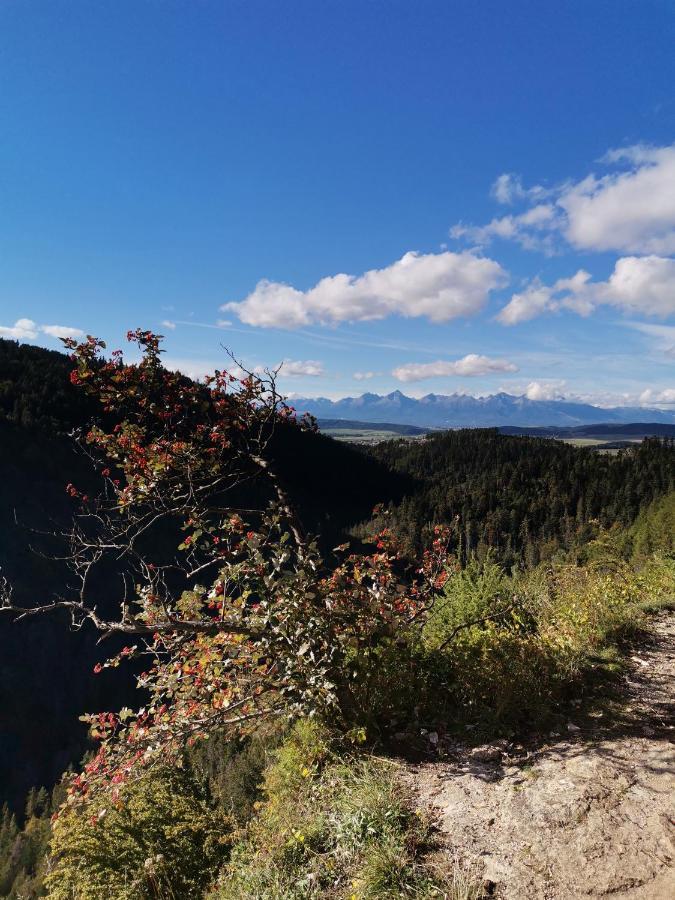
x=534 y=229
x=296 y=367
x=528 y=304
x=550 y=389
x=364 y=376
x=641 y=284
x=467 y=367
x=545 y=390
x=438 y=286
x=62 y=331
x=21 y=330
x=508 y=188
x=638 y=284
x=167 y=323
x=198 y=369
x=631 y=210
x=649 y=396
x=28 y=330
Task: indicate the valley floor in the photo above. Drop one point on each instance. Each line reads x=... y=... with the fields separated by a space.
x=591 y=813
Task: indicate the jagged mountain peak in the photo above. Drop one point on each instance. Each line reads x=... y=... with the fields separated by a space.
x=465 y=411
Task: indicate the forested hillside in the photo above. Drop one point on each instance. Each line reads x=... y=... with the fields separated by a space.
x=46 y=678
x=459 y=632
x=520 y=498
x=35 y=390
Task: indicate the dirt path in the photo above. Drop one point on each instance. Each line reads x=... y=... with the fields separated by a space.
x=589 y=814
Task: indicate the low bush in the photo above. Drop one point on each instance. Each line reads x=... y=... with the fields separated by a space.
x=159 y=838
x=500 y=652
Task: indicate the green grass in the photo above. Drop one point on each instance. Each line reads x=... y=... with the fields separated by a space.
x=335 y=826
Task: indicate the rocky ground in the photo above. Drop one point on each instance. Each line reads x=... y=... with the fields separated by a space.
x=588 y=813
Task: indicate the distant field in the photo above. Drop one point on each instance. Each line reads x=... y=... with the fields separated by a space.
x=372 y=436
x=600 y=441
x=366 y=435
x=605 y=439
x=353 y=432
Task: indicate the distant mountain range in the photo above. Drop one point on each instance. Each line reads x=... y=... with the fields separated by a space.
x=463 y=411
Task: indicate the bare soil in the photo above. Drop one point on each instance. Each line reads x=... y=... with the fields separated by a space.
x=590 y=812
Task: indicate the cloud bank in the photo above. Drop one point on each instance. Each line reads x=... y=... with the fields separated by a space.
x=651 y=396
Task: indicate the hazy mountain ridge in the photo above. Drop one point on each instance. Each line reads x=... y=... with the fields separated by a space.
x=462 y=410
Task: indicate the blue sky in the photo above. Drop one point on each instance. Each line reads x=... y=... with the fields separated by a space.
x=505 y=173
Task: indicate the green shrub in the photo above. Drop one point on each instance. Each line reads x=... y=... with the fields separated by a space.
x=657 y=578
x=477 y=591
x=653 y=530
x=160 y=839
x=532 y=638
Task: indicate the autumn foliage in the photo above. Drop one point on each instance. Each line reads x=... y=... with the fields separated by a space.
x=245 y=620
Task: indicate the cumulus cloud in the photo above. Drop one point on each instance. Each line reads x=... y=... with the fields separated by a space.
x=650 y=396
x=62 y=331
x=641 y=284
x=437 y=286
x=21 y=330
x=638 y=284
x=536 y=299
x=198 y=369
x=167 y=323
x=629 y=210
x=545 y=390
x=467 y=367
x=364 y=376
x=297 y=367
x=28 y=330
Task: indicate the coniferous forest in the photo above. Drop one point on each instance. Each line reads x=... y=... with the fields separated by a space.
x=515 y=516
x=521 y=498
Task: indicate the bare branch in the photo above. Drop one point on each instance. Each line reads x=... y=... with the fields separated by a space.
x=82 y=613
